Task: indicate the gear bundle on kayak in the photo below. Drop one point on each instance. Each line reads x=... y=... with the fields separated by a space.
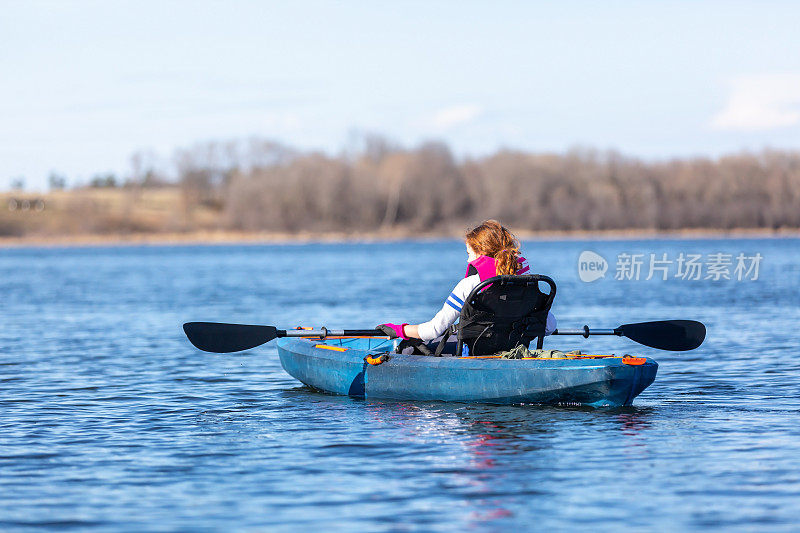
x=363 y=363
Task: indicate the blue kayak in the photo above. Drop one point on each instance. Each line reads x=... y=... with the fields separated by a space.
x=354 y=366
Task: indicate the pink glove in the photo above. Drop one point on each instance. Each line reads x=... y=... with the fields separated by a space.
x=394 y=330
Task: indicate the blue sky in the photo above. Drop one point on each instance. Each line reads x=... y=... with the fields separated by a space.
x=86 y=84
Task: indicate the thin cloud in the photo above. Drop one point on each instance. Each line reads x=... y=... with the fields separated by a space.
x=759 y=103
x=455 y=115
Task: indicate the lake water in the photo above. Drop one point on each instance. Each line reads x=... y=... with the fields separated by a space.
x=111 y=420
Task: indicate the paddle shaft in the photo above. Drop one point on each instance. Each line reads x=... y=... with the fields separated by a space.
x=585 y=332
x=325 y=332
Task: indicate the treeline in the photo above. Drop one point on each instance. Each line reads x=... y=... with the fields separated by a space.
x=382 y=185
x=379 y=186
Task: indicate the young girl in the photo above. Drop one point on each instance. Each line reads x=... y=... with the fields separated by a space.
x=492 y=250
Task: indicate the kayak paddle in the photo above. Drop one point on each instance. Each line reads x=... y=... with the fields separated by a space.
x=223 y=338
x=672 y=335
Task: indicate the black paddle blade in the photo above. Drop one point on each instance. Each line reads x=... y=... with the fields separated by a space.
x=223 y=338
x=674 y=335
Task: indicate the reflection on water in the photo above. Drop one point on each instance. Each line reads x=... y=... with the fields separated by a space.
x=109 y=419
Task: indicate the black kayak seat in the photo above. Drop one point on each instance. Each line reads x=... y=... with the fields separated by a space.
x=502 y=313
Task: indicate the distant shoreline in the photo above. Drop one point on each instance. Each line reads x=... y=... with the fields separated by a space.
x=229 y=237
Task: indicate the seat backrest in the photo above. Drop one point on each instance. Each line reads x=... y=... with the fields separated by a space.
x=503 y=312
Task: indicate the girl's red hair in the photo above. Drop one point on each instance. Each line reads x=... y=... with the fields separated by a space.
x=490 y=238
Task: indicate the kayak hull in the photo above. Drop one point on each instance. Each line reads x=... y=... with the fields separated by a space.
x=338 y=366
